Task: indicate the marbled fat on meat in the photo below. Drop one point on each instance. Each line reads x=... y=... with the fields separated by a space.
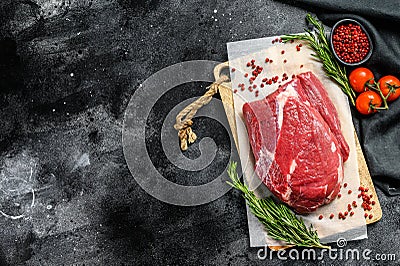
x=297 y=143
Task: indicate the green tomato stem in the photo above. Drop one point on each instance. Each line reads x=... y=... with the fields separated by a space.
x=375 y=86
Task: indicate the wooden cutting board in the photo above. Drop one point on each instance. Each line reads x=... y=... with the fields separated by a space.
x=365 y=177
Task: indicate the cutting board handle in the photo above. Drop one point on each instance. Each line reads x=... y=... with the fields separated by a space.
x=219 y=68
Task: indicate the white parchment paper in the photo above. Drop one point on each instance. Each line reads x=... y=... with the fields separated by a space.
x=239 y=53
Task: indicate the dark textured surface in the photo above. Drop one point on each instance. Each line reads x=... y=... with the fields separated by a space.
x=68 y=70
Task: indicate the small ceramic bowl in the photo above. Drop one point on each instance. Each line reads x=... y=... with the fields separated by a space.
x=352 y=21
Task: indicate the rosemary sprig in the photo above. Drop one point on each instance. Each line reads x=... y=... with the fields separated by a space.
x=318 y=41
x=279 y=221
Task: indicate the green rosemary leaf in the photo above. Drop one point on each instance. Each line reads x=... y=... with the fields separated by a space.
x=318 y=41
x=279 y=221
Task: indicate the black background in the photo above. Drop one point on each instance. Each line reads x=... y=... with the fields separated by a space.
x=97 y=214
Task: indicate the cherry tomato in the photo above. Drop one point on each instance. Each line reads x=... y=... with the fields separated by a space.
x=358 y=77
x=390 y=84
x=367 y=99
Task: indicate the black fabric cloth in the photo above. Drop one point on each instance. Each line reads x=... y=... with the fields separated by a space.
x=379 y=133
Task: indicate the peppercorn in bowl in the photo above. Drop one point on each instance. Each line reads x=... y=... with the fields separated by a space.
x=350 y=42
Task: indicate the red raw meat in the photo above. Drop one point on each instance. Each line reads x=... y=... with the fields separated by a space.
x=319 y=98
x=297 y=143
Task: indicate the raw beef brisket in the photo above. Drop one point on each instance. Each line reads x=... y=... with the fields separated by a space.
x=297 y=143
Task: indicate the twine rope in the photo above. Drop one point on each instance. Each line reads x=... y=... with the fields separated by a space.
x=184 y=118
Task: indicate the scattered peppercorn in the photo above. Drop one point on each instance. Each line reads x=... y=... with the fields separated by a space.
x=320 y=217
